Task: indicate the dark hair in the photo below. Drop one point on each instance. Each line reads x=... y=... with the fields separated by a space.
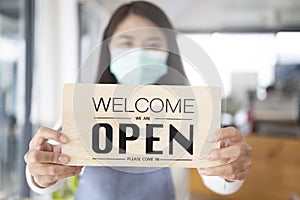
x=158 y=17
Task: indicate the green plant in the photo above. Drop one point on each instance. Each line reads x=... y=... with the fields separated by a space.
x=68 y=189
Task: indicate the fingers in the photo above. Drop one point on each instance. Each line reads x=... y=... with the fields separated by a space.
x=229 y=133
x=45 y=162
x=237 y=170
x=57 y=148
x=232 y=152
x=234 y=156
x=47 y=180
x=52 y=169
x=229 y=150
x=43 y=134
x=36 y=156
x=240 y=176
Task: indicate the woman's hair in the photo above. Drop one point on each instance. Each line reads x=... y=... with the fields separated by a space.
x=157 y=16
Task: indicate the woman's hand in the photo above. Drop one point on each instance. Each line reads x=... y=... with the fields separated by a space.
x=45 y=161
x=234 y=154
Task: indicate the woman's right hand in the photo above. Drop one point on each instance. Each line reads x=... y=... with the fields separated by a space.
x=45 y=161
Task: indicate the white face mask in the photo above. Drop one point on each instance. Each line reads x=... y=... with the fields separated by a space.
x=138 y=66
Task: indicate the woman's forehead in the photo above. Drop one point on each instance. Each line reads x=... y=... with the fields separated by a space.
x=134 y=26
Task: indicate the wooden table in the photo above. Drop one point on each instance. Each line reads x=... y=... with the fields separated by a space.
x=275 y=171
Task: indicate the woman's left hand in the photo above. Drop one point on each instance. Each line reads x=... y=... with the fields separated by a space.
x=234 y=156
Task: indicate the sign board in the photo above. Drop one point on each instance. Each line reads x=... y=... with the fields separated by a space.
x=140 y=125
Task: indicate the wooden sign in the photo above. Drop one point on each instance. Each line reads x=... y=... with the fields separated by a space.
x=140 y=125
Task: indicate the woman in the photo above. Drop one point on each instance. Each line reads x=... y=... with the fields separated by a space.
x=46 y=169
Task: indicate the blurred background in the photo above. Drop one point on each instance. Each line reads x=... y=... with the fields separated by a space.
x=254 y=44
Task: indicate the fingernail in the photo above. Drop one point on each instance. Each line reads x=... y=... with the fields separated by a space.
x=63 y=159
x=63 y=139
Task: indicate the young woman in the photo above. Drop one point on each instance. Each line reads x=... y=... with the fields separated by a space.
x=46 y=167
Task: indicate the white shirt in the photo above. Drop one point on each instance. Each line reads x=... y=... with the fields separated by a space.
x=180 y=177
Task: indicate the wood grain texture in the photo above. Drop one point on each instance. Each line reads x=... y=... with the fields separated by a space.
x=79 y=116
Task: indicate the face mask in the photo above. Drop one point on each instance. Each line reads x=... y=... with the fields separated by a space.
x=138 y=66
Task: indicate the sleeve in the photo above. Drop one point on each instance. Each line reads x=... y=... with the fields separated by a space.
x=220 y=185
x=43 y=191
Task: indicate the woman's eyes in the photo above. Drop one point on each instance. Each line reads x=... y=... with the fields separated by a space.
x=153 y=46
x=126 y=44
x=130 y=44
